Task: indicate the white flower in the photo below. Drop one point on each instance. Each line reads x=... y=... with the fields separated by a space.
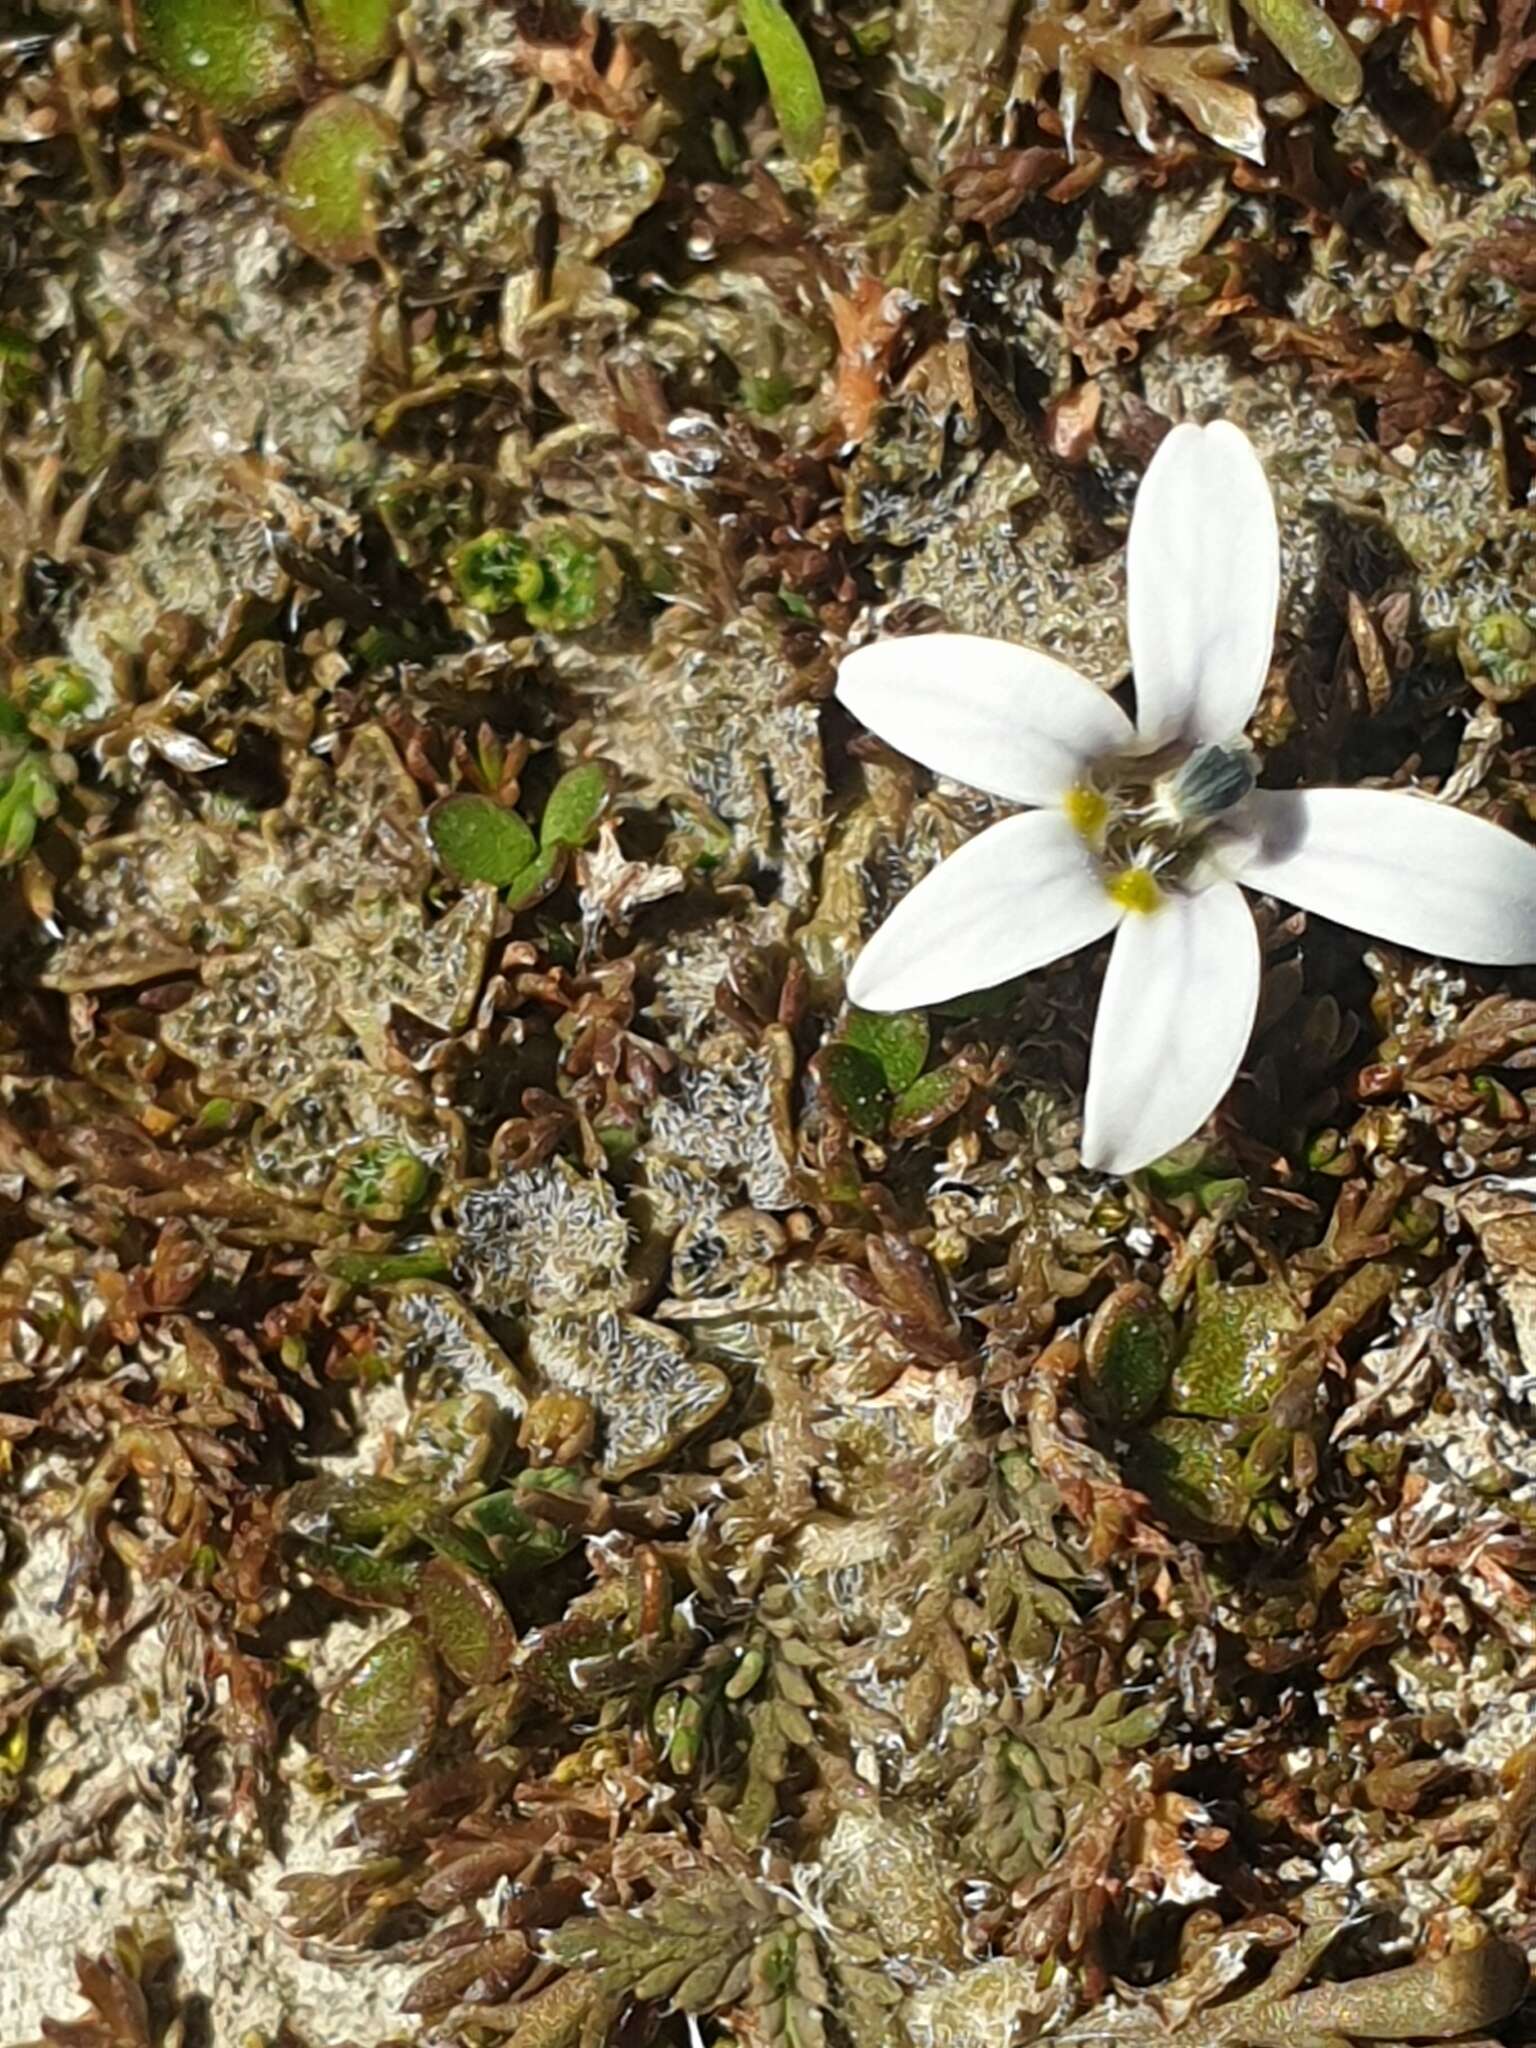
x=1141 y=829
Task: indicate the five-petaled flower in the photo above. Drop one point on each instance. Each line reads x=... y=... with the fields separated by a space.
x=1145 y=829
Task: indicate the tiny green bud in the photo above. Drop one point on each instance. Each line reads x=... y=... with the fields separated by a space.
x=496 y=572
x=54 y=693
x=383 y=1180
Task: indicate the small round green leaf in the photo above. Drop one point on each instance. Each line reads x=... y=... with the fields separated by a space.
x=898 y=1043
x=466 y=1621
x=238 y=58
x=1237 y=1355
x=930 y=1101
x=535 y=880
x=575 y=805
x=1128 y=1355
x=352 y=37
x=478 y=840
x=580 y=582
x=857 y=1086
x=1193 y=1476
x=329 y=172
x=380 y=1718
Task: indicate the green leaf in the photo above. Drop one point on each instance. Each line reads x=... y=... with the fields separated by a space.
x=375 y=1269
x=1128 y=1355
x=19 y=364
x=29 y=795
x=897 y=1043
x=478 y=840
x=857 y=1086
x=53 y=694
x=360 y=1575
x=518 y=1540
x=1192 y=1475
x=459 y=1544
x=575 y=805
x=363 y=1510
x=380 y=1718
x=466 y=1621
x=238 y=58
x=535 y=880
x=1314 y=46
x=795 y=90
x=1237 y=1355
x=1190 y=1170
x=931 y=1100
x=329 y=171
x=351 y=37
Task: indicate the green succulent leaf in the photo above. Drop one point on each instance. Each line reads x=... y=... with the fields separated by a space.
x=379 y=1720
x=1239 y=1351
x=799 y=104
x=53 y=695
x=537 y=878
x=578 y=583
x=352 y=37
x=378 y=1269
x=359 y=1575
x=574 y=807
x=1128 y=1356
x=857 y=1086
x=329 y=173
x=520 y=1541
x=1194 y=1476
x=1314 y=46
x=897 y=1043
x=479 y=840
x=1191 y=1173
x=380 y=1179
x=466 y=1621
x=27 y=796
x=238 y=58
x=930 y=1101
x=361 y=1511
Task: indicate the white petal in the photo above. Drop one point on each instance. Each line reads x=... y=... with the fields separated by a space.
x=1000 y=717
x=1203 y=577
x=1174 y=1019
x=1020 y=894
x=1400 y=868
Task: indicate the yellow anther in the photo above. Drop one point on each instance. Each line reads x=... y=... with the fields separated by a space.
x=1087 y=813
x=1135 y=889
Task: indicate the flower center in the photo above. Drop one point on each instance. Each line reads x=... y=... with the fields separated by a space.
x=1145 y=818
x=1135 y=889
